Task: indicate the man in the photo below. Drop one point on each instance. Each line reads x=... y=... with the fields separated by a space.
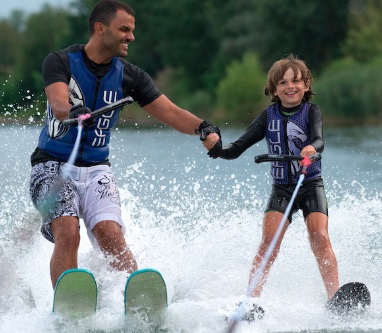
x=77 y=80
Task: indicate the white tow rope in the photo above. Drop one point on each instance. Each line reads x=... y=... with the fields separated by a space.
x=74 y=153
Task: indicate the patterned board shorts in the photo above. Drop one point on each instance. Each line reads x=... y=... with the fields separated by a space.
x=89 y=193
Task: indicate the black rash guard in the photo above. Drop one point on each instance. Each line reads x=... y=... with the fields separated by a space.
x=256 y=132
x=136 y=82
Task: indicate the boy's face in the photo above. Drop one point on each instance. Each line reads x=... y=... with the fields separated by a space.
x=291 y=89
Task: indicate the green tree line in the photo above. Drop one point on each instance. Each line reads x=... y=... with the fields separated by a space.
x=212 y=57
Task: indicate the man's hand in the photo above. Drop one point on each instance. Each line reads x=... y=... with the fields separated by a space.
x=78 y=110
x=206 y=128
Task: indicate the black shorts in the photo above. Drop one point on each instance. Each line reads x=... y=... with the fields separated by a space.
x=310 y=198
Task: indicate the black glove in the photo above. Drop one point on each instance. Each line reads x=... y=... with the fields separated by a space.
x=216 y=150
x=206 y=128
x=77 y=110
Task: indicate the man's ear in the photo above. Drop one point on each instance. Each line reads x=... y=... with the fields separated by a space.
x=99 y=28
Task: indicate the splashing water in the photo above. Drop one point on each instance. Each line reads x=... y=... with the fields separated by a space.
x=198 y=221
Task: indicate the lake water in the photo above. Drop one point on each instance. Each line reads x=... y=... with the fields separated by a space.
x=198 y=221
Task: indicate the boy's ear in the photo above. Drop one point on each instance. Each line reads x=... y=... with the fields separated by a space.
x=307 y=85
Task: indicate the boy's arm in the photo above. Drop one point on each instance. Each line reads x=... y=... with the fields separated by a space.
x=315 y=121
x=254 y=133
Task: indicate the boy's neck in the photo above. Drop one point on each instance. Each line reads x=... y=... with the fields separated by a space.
x=289 y=111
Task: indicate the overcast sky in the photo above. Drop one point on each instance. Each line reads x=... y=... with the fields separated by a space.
x=28 y=6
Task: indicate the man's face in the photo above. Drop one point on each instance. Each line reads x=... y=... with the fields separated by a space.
x=119 y=34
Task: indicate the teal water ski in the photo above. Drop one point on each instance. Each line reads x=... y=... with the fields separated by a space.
x=146 y=294
x=75 y=294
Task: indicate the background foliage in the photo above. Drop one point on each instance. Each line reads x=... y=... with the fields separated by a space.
x=213 y=59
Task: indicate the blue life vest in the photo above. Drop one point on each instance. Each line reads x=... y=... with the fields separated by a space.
x=85 y=89
x=288 y=135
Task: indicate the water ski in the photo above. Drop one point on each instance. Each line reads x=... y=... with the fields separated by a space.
x=75 y=294
x=145 y=294
x=351 y=298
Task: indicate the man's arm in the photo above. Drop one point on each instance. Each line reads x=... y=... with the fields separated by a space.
x=170 y=114
x=58 y=98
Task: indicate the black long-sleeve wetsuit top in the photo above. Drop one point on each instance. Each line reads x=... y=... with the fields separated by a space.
x=299 y=126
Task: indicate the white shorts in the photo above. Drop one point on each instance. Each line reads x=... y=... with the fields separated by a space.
x=89 y=193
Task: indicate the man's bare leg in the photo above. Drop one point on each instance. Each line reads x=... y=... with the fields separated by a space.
x=66 y=235
x=112 y=242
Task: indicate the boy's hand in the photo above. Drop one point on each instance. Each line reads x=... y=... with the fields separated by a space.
x=308 y=151
x=211 y=140
x=214 y=145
